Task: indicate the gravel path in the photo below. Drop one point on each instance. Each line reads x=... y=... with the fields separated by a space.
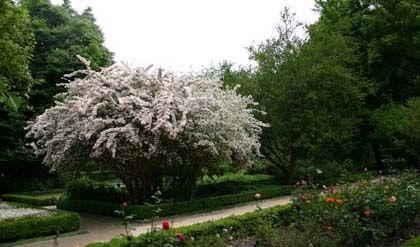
x=101 y=228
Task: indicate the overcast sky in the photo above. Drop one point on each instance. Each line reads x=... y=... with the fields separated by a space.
x=188 y=34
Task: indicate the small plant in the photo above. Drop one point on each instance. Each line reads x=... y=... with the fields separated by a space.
x=125 y=219
x=155 y=208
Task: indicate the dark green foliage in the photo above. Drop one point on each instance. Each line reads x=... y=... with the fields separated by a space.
x=195 y=205
x=385 y=35
x=16 y=47
x=244 y=224
x=38 y=43
x=222 y=185
x=38 y=198
x=30 y=227
x=61 y=34
x=310 y=94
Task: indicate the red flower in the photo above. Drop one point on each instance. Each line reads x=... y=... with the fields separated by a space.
x=330 y=200
x=339 y=202
x=166 y=224
x=393 y=199
x=180 y=236
x=125 y=204
x=330 y=228
x=367 y=213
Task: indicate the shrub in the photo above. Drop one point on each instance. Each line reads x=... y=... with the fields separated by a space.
x=85 y=189
x=360 y=215
x=145 y=212
x=38 y=198
x=30 y=227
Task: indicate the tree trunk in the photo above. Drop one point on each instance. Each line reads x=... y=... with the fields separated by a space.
x=139 y=189
x=377 y=155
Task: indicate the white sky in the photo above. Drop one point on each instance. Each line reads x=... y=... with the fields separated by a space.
x=188 y=34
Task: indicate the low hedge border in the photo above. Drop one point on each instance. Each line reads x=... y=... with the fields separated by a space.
x=415 y=242
x=47 y=199
x=31 y=227
x=246 y=223
x=202 y=204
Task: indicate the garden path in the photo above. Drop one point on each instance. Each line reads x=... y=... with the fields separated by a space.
x=101 y=228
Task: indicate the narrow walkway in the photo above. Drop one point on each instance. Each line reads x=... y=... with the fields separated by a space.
x=101 y=229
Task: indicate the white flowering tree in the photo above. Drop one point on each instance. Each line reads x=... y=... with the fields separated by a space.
x=139 y=122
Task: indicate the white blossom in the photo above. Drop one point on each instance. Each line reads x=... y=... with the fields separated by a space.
x=125 y=114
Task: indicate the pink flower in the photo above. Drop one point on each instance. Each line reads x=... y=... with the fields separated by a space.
x=166 y=225
x=393 y=199
x=257 y=196
x=124 y=204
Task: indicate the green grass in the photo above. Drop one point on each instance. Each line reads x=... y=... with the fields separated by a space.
x=38 y=198
x=235 y=177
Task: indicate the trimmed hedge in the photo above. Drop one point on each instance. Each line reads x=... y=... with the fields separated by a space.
x=202 y=204
x=38 y=198
x=86 y=189
x=415 y=242
x=246 y=223
x=30 y=227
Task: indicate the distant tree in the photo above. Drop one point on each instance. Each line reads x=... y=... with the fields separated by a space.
x=61 y=34
x=139 y=123
x=311 y=97
x=385 y=34
x=16 y=52
x=16 y=47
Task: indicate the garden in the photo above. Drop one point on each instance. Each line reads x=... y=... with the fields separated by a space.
x=314 y=144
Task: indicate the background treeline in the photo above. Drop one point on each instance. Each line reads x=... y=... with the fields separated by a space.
x=38 y=45
x=345 y=96
x=342 y=97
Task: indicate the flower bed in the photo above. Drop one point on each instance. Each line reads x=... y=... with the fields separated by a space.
x=19 y=222
x=362 y=214
x=38 y=198
x=145 y=212
x=245 y=224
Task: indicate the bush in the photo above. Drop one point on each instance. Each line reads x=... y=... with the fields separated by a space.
x=246 y=224
x=145 y=212
x=85 y=189
x=360 y=215
x=30 y=227
x=38 y=198
x=415 y=242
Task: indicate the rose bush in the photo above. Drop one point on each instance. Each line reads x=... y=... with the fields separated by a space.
x=360 y=214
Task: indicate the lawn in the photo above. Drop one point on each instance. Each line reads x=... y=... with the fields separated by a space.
x=38 y=198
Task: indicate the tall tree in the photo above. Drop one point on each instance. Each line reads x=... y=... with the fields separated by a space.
x=386 y=34
x=310 y=95
x=16 y=48
x=61 y=34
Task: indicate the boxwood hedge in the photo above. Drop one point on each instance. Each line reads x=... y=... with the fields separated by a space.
x=30 y=227
x=202 y=204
